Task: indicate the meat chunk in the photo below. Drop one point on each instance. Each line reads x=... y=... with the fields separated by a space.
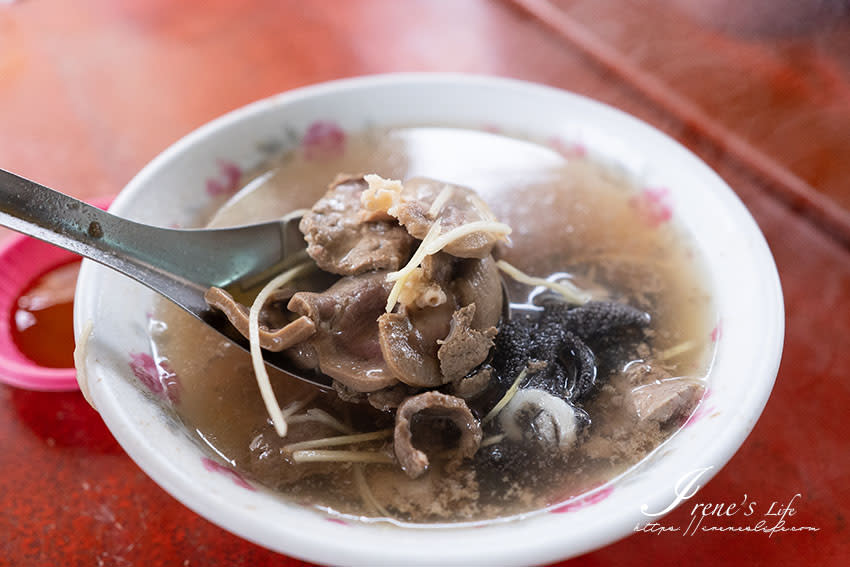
x=407 y=351
x=437 y=344
x=342 y=241
x=663 y=401
x=464 y=347
x=439 y=268
x=424 y=200
x=479 y=282
x=345 y=345
x=273 y=336
x=433 y=407
x=468 y=387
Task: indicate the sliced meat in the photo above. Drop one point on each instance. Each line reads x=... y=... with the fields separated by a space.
x=641 y=373
x=439 y=268
x=663 y=401
x=461 y=206
x=464 y=347
x=430 y=409
x=430 y=346
x=345 y=345
x=479 y=282
x=273 y=339
x=469 y=387
x=343 y=242
x=409 y=355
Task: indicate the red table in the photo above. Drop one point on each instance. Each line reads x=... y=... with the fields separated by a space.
x=92 y=90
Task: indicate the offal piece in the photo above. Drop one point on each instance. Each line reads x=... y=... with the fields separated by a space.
x=433 y=407
x=429 y=347
x=390 y=398
x=595 y=319
x=419 y=202
x=275 y=334
x=473 y=384
x=345 y=345
x=409 y=354
x=464 y=347
x=666 y=400
x=442 y=328
x=342 y=242
x=567 y=360
x=479 y=282
x=433 y=345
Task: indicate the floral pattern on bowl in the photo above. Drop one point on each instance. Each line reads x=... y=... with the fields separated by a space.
x=156 y=376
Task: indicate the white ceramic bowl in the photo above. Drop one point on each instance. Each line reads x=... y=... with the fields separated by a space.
x=172 y=187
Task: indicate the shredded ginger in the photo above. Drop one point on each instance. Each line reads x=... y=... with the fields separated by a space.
x=566 y=289
x=433 y=243
x=266 y=391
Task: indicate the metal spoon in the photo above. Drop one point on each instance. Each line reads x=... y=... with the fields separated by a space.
x=173 y=262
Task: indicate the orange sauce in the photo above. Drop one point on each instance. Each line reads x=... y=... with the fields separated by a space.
x=42 y=325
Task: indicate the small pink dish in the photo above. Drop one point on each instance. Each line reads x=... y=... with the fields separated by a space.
x=22 y=261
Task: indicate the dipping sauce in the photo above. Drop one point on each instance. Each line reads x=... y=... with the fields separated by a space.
x=42 y=325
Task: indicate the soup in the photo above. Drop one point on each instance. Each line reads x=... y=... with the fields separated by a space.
x=630 y=364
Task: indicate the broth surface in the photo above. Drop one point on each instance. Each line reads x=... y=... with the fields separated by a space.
x=571 y=217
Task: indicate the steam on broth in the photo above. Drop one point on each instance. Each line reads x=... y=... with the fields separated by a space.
x=574 y=222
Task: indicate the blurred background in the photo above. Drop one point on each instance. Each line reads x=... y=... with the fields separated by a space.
x=92 y=90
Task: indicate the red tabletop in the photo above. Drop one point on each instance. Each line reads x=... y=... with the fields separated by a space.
x=91 y=90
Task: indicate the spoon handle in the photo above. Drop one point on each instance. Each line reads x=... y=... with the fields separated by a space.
x=180 y=264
